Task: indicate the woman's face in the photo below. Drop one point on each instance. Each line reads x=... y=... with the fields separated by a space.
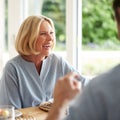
x=46 y=39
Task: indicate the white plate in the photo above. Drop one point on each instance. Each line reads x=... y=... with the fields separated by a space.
x=18 y=113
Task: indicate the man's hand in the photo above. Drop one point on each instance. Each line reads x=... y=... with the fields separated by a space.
x=66 y=89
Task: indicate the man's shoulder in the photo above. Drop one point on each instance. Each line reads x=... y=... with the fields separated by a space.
x=111 y=74
x=106 y=79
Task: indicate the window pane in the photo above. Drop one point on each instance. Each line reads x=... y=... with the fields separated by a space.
x=55 y=9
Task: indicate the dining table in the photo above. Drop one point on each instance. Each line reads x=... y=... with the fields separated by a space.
x=31 y=113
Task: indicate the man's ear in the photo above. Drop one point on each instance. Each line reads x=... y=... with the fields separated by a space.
x=118 y=28
x=117 y=15
x=117 y=18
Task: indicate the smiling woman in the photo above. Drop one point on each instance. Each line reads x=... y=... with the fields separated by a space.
x=65 y=15
x=29 y=78
x=34 y=38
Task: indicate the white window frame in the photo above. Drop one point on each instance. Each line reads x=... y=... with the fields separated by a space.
x=74 y=32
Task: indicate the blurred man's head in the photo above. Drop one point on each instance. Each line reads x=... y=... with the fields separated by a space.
x=116 y=8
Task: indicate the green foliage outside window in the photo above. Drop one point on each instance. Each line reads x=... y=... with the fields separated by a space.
x=98 y=24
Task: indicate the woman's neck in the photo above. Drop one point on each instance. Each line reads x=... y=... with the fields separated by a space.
x=36 y=59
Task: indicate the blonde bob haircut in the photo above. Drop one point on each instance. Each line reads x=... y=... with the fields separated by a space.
x=28 y=33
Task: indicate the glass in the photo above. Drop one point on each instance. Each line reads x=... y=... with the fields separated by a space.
x=7 y=112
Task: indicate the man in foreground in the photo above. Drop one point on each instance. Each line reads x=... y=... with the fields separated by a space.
x=100 y=99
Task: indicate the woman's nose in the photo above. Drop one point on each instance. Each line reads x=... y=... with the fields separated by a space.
x=49 y=37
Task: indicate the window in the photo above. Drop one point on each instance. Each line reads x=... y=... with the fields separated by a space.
x=68 y=31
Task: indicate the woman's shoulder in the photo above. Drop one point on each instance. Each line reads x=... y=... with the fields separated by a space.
x=13 y=61
x=60 y=60
x=56 y=56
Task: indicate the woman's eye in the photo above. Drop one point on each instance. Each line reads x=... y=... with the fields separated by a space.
x=45 y=34
x=51 y=32
x=42 y=33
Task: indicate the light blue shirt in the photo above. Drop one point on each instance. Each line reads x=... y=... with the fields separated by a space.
x=22 y=86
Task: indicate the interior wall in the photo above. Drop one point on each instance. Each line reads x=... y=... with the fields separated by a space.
x=2 y=33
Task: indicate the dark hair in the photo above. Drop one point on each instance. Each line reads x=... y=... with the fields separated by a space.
x=116 y=5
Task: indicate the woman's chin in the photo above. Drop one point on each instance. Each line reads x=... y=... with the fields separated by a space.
x=48 y=53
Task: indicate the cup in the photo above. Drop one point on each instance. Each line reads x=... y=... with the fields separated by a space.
x=7 y=112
